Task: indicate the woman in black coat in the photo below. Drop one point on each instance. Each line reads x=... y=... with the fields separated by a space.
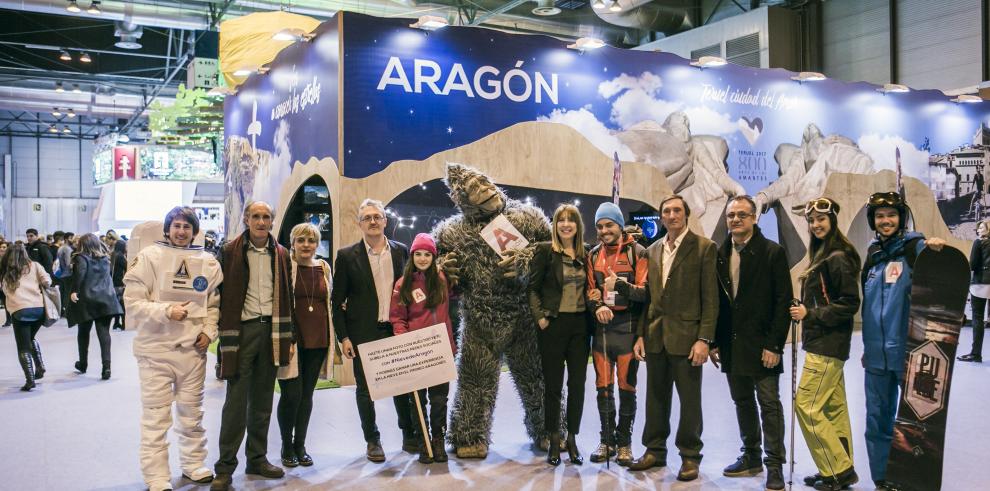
x=979 y=289
x=557 y=298
x=118 y=266
x=94 y=300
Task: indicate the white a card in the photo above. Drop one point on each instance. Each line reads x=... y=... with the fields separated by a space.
x=893 y=271
x=185 y=280
x=418 y=295
x=502 y=236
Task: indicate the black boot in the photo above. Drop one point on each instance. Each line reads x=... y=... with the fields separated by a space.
x=606 y=413
x=106 y=371
x=572 y=450
x=39 y=362
x=623 y=431
x=424 y=452
x=27 y=364
x=439 y=452
x=289 y=458
x=302 y=456
x=553 y=452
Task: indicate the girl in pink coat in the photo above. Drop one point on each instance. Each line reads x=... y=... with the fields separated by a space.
x=420 y=299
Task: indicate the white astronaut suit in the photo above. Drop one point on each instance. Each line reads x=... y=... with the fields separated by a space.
x=170 y=367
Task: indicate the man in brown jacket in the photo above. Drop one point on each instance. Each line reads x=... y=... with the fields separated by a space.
x=677 y=327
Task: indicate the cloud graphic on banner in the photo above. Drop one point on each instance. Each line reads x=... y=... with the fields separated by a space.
x=637 y=101
x=883 y=151
x=648 y=83
x=594 y=130
x=706 y=121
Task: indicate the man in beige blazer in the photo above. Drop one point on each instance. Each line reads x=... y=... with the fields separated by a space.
x=676 y=329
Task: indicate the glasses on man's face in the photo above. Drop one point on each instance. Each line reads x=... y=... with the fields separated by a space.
x=372 y=218
x=741 y=215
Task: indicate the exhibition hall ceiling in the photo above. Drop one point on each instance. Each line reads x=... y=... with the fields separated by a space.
x=107 y=60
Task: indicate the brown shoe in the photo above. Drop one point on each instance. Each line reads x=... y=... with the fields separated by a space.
x=266 y=470
x=689 y=470
x=221 y=482
x=647 y=461
x=375 y=453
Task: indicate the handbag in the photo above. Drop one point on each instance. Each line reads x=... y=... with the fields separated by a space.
x=52 y=298
x=53 y=304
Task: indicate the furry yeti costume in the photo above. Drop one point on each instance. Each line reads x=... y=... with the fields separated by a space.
x=496 y=319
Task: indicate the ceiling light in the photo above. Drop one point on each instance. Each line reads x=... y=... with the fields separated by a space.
x=66 y=130
x=56 y=112
x=72 y=7
x=76 y=89
x=429 y=23
x=94 y=8
x=546 y=10
x=71 y=113
x=64 y=55
x=896 y=88
x=123 y=139
x=967 y=99
x=586 y=43
x=808 y=77
x=708 y=61
x=58 y=87
x=85 y=58
x=615 y=7
x=129 y=35
x=292 y=34
x=598 y=4
x=52 y=129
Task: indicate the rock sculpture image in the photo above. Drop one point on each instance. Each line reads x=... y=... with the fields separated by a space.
x=804 y=171
x=695 y=165
x=496 y=321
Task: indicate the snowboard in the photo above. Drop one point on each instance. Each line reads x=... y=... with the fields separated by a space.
x=940 y=284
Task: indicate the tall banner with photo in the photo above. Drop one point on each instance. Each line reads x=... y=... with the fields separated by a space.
x=281 y=119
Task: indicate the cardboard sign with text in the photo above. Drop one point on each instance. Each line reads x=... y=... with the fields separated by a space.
x=407 y=362
x=502 y=236
x=185 y=279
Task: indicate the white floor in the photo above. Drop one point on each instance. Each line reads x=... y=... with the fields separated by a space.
x=78 y=432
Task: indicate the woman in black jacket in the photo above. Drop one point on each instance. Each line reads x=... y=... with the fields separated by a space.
x=829 y=301
x=118 y=266
x=93 y=299
x=979 y=288
x=557 y=298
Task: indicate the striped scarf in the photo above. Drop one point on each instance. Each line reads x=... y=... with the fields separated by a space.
x=233 y=292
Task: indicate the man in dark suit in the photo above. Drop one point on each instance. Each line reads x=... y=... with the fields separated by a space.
x=677 y=327
x=753 y=322
x=364 y=274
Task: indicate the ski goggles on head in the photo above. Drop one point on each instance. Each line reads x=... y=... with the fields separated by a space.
x=889 y=199
x=821 y=205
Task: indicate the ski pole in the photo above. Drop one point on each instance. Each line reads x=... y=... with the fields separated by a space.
x=794 y=303
x=609 y=429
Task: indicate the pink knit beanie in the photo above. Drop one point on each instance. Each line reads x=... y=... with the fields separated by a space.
x=423 y=242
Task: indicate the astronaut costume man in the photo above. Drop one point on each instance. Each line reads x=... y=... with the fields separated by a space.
x=171 y=296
